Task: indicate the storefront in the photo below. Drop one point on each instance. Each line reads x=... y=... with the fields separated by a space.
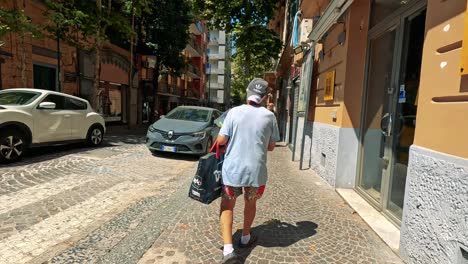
x=386 y=88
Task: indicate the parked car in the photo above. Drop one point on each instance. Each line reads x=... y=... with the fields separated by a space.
x=34 y=117
x=220 y=120
x=186 y=129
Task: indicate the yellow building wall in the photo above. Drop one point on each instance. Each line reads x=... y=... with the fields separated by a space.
x=442 y=122
x=348 y=62
x=333 y=59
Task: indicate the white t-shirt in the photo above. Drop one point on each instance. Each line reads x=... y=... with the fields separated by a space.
x=250 y=129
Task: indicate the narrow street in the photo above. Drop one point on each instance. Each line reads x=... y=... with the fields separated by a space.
x=120 y=204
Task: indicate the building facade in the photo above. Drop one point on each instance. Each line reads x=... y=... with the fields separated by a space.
x=372 y=111
x=218 y=69
x=121 y=100
x=53 y=65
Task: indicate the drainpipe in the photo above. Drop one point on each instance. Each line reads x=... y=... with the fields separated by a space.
x=59 y=75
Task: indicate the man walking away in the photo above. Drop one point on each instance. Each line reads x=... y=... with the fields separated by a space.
x=251 y=131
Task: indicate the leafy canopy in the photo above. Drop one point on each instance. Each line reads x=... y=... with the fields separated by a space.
x=166 y=31
x=256 y=47
x=14 y=20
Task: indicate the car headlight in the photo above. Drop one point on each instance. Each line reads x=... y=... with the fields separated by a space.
x=201 y=134
x=152 y=129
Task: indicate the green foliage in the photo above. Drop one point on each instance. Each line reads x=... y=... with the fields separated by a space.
x=83 y=24
x=165 y=33
x=16 y=21
x=256 y=47
x=227 y=15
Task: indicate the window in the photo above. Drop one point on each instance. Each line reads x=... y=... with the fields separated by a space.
x=45 y=77
x=74 y=104
x=216 y=114
x=57 y=99
x=17 y=98
x=189 y=114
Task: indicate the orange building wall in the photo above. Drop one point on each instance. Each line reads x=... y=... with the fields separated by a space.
x=11 y=71
x=443 y=126
x=334 y=59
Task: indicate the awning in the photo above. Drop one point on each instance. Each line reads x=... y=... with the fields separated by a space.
x=335 y=9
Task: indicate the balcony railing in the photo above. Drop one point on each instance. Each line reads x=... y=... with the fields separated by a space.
x=172 y=89
x=194 y=70
x=193 y=44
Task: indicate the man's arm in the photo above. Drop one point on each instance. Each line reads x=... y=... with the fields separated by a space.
x=275 y=135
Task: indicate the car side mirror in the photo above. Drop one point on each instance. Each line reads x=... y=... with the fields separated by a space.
x=47 y=105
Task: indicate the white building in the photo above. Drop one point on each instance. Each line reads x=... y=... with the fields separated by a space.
x=218 y=68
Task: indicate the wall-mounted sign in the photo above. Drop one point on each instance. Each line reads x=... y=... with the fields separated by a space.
x=329 y=86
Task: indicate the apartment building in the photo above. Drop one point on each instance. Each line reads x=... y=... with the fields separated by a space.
x=218 y=69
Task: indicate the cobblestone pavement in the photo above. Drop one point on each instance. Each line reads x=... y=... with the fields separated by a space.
x=58 y=197
x=120 y=204
x=300 y=219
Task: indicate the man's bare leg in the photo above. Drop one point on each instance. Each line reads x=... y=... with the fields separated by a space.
x=250 y=210
x=226 y=219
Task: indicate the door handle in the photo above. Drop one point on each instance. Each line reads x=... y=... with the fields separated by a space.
x=386 y=130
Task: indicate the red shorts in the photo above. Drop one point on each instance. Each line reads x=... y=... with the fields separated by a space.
x=251 y=193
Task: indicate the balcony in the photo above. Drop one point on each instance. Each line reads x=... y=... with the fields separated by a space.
x=192 y=93
x=169 y=90
x=192 y=48
x=196 y=28
x=216 y=56
x=214 y=71
x=214 y=86
x=213 y=41
x=193 y=71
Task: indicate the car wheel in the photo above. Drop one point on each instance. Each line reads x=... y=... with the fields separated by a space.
x=12 y=145
x=95 y=136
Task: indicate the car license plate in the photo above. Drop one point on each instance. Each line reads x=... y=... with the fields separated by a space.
x=169 y=149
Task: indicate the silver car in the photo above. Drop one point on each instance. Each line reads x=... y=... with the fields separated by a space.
x=186 y=129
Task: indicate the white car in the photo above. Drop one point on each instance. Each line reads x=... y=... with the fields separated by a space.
x=34 y=117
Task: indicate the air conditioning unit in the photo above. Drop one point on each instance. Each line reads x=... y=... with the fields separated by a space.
x=305 y=29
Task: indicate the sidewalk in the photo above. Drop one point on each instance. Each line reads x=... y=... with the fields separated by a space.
x=300 y=219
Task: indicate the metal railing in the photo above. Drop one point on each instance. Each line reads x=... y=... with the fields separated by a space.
x=192 y=41
x=191 y=68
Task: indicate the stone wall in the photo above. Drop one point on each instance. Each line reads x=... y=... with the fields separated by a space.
x=435 y=215
x=324 y=152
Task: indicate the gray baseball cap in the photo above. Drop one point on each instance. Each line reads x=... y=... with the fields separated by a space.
x=257 y=89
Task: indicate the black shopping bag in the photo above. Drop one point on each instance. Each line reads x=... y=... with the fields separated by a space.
x=206 y=186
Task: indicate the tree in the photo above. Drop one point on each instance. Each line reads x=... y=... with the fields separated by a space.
x=255 y=45
x=164 y=35
x=85 y=24
x=15 y=21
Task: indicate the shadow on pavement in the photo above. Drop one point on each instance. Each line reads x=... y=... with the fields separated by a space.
x=275 y=233
x=46 y=153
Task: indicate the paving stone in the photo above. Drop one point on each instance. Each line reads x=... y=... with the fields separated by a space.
x=297 y=221
x=41 y=199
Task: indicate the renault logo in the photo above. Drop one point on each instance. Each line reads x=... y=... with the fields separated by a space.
x=170 y=134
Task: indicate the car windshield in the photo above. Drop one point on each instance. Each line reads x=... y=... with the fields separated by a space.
x=190 y=114
x=17 y=97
